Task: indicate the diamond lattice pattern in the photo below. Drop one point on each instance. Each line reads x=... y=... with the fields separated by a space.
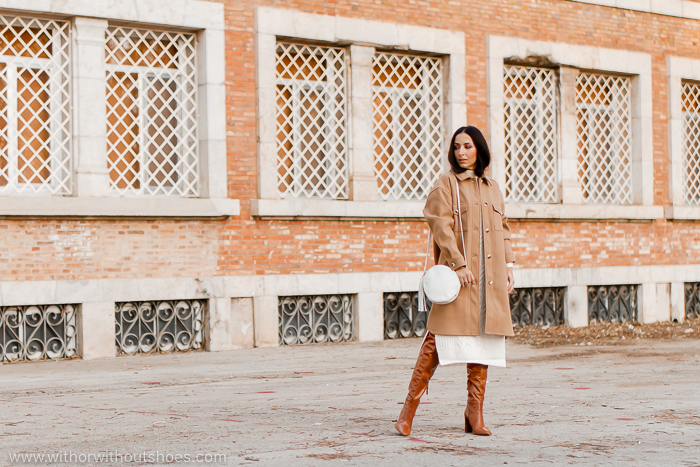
x=691 y=143
x=604 y=138
x=35 y=134
x=530 y=108
x=311 y=107
x=151 y=112
x=407 y=124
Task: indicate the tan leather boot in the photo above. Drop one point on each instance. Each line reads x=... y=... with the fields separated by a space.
x=476 y=387
x=425 y=368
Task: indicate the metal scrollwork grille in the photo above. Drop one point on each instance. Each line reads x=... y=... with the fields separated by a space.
x=311 y=119
x=604 y=138
x=538 y=306
x=691 y=143
x=407 y=124
x=313 y=319
x=692 y=300
x=402 y=317
x=168 y=326
x=612 y=303
x=35 y=106
x=38 y=332
x=151 y=90
x=530 y=108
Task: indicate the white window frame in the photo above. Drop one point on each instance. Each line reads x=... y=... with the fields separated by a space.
x=570 y=59
x=327 y=89
x=12 y=65
x=398 y=93
x=145 y=176
x=57 y=125
x=363 y=37
x=678 y=69
x=535 y=105
x=608 y=112
x=91 y=195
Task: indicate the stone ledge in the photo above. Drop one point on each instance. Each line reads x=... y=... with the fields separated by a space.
x=413 y=210
x=583 y=212
x=680 y=8
x=118 y=207
x=319 y=208
x=683 y=212
x=185 y=13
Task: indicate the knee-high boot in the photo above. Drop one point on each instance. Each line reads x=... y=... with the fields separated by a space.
x=476 y=387
x=425 y=368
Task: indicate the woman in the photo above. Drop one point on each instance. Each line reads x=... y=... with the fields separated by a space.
x=471 y=329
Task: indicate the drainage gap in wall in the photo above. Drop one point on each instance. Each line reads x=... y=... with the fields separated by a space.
x=402 y=317
x=692 y=300
x=167 y=326
x=313 y=319
x=612 y=303
x=541 y=306
x=38 y=332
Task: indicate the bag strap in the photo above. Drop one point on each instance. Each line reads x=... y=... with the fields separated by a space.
x=459 y=216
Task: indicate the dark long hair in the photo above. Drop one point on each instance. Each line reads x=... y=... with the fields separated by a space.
x=483 y=155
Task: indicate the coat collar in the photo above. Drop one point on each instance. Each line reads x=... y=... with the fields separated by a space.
x=467 y=174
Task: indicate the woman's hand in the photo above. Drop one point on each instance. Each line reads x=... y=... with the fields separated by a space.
x=511 y=281
x=465 y=276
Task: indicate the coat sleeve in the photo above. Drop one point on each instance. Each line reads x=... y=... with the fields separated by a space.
x=438 y=213
x=510 y=257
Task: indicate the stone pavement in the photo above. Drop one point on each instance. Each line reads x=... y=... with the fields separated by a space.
x=635 y=404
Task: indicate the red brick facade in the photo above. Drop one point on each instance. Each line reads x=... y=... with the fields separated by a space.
x=112 y=252
x=82 y=249
x=69 y=249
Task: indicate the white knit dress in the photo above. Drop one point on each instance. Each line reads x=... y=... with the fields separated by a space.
x=484 y=349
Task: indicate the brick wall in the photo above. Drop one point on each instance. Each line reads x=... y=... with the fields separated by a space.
x=68 y=249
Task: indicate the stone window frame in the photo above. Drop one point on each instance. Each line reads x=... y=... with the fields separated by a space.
x=678 y=69
x=680 y=8
x=570 y=59
x=91 y=195
x=361 y=38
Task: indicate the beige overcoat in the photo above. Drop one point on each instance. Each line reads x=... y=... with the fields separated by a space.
x=477 y=195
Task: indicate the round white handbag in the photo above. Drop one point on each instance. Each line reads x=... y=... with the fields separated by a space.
x=440 y=284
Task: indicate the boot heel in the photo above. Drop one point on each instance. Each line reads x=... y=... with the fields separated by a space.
x=467 y=426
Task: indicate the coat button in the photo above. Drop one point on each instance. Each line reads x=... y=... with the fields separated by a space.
x=490 y=282
x=486 y=204
x=453 y=264
x=488 y=256
x=487 y=230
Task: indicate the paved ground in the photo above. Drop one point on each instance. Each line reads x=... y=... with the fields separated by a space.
x=635 y=404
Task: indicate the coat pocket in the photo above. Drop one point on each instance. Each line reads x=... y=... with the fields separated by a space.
x=463 y=216
x=497 y=217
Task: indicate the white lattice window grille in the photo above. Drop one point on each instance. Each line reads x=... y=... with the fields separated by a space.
x=531 y=134
x=38 y=332
x=690 y=106
x=151 y=88
x=604 y=138
x=35 y=133
x=167 y=326
x=407 y=124
x=311 y=115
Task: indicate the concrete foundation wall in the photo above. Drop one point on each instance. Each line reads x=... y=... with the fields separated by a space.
x=243 y=310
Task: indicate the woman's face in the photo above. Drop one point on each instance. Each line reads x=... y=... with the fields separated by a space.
x=465 y=151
